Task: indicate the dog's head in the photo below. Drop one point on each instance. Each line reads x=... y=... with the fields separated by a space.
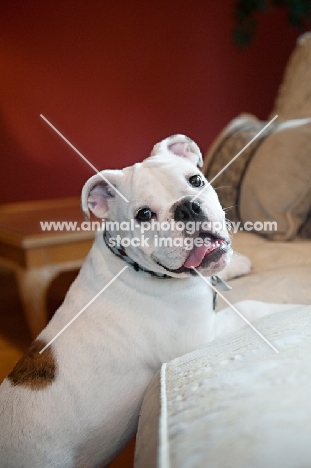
x=162 y=212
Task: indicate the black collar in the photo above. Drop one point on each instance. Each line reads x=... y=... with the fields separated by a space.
x=120 y=252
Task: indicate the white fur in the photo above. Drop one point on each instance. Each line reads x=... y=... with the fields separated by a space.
x=107 y=357
x=239 y=265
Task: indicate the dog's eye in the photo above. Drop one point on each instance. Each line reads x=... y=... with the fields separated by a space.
x=196 y=181
x=145 y=214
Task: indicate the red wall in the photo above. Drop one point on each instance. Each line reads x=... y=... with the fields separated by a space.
x=116 y=77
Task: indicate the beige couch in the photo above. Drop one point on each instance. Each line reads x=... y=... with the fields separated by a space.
x=236 y=403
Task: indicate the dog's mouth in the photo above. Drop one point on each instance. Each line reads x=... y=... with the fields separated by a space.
x=204 y=245
x=207 y=248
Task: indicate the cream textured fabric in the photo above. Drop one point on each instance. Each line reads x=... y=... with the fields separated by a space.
x=235 y=403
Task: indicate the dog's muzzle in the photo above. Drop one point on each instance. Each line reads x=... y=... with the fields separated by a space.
x=210 y=244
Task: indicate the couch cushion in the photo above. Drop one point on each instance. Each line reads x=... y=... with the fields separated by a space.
x=270 y=181
x=233 y=138
x=233 y=403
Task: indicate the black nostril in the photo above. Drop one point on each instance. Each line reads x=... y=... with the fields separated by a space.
x=188 y=211
x=182 y=213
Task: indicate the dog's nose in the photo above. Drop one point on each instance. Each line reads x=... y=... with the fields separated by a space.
x=188 y=211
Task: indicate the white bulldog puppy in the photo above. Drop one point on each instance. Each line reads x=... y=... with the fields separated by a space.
x=140 y=302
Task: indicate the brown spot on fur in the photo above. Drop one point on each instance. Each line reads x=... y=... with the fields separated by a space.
x=35 y=370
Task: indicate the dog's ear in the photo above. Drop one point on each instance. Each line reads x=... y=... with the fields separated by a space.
x=182 y=146
x=97 y=191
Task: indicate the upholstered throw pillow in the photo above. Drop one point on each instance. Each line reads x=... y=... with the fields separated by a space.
x=277 y=183
x=235 y=136
x=270 y=181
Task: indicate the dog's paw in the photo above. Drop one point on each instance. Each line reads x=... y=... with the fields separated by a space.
x=240 y=265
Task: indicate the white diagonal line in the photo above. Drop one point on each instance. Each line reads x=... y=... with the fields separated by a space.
x=235 y=157
x=83 y=157
x=237 y=311
x=82 y=310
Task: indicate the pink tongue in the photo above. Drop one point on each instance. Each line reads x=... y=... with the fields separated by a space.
x=197 y=254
